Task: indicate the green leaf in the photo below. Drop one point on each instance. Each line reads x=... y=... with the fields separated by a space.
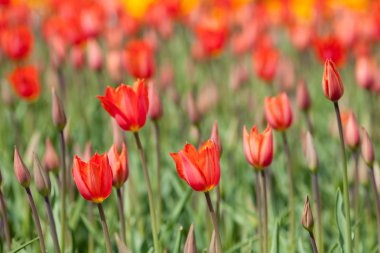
x=333 y=247
x=178 y=240
x=25 y=245
x=341 y=221
x=275 y=239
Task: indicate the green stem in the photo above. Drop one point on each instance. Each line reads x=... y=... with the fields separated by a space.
x=217 y=189
x=356 y=200
x=63 y=191
x=158 y=164
x=259 y=210
x=121 y=215
x=90 y=239
x=52 y=225
x=150 y=194
x=377 y=204
x=345 y=180
x=317 y=201
x=265 y=211
x=105 y=228
x=313 y=244
x=5 y=221
x=291 y=192
x=215 y=222
x=36 y=219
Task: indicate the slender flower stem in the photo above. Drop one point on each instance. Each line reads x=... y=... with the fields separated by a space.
x=36 y=219
x=5 y=221
x=377 y=204
x=259 y=210
x=217 y=189
x=317 y=201
x=265 y=211
x=90 y=240
x=356 y=199
x=52 y=225
x=215 y=222
x=291 y=192
x=158 y=164
x=63 y=191
x=150 y=194
x=313 y=244
x=105 y=228
x=308 y=122
x=345 y=180
x=121 y=215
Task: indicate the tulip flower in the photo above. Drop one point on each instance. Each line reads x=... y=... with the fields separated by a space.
x=368 y=153
x=278 y=112
x=308 y=223
x=25 y=82
x=155 y=106
x=265 y=63
x=200 y=169
x=139 y=59
x=17 y=42
x=216 y=137
x=365 y=70
x=119 y=165
x=94 y=183
x=332 y=83
x=351 y=132
x=304 y=102
x=128 y=105
x=50 y=160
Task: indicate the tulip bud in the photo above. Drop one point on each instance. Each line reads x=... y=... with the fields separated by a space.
x=41 y=178
x=58 y=113
x=77 y=57
x=192 y=110
x=50 y=159
x=307 y=216
x=118 y=137
x=190 y=244
x=332 y=83
x=155 y=106
x=303 y=96
x=368 y=154
x=351 y=132
x=365 y=72
x=21 y=172
x=310 y=153
x=94 y=55
x=216 y=138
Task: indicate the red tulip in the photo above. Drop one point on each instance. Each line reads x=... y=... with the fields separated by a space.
x=21 y=171
x=93 y=179
x=351 y=131
x=258 y=147
x=155 y=106
x=330 y=48
x=119 y=165
x=216 y=137
x=278 y=112
x=139 y=59
x=24 y=81
x=17 y=42
x=332 y=83
x=128 y=105
x=365 y=72
x=265 y=63
x=200 y=169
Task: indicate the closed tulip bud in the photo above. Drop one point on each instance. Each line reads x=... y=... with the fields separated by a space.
x=278 y=112
x=258 y=147
x=190 y=244
x=311 y=155
x=119 y=165
x=192 y=110
x=365 y=72
x=155 y=106
x=303 y=96
x=21 y=172
x=199 y=168
x=351 y=132
x=332 y=83
x=307 y=216
x=94 y=55
x=368 y=153
x=216 y=137
x=41 y=178
x=58 y=113
x=50 y=159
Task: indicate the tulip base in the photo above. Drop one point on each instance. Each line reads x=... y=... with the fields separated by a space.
x=105 y=228
x=214 y=221
x=265 y=212
x=36 y=219
x=312 y=241
x=52 y=225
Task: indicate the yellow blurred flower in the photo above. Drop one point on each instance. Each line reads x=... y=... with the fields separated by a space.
x=187 y=6
x=137 y=8
x=302 y=9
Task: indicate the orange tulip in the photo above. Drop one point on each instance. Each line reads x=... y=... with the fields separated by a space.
x=278 y=112
x=24 y=81
x=93 y=179
x=128 y=105
x=332 y=83
x=200 y=169
x=139 y=59
x=258 y=147
x=17 y=42
x=119 y=165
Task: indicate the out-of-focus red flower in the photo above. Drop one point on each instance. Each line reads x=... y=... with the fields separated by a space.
x=93 y=179
x=77 y=57
x=265 y=62
x=25 y=82
x=244 y=40
x=92 y=20
x=127 y=105
x=94 y=55
x=332 y=83
x=303 y=96
x=114 y=66
x=345 y=27
x=128 y=24
x=212 y=32
x=368 y=153
x=365 y=72
x=119 y=165
x=351 y=131
x=155 y=106
x=278 y=112
x=258 y=147
x=17 y=42
x=139 y=59
x=330 y=47
x=300 y=36
x=200 y=169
